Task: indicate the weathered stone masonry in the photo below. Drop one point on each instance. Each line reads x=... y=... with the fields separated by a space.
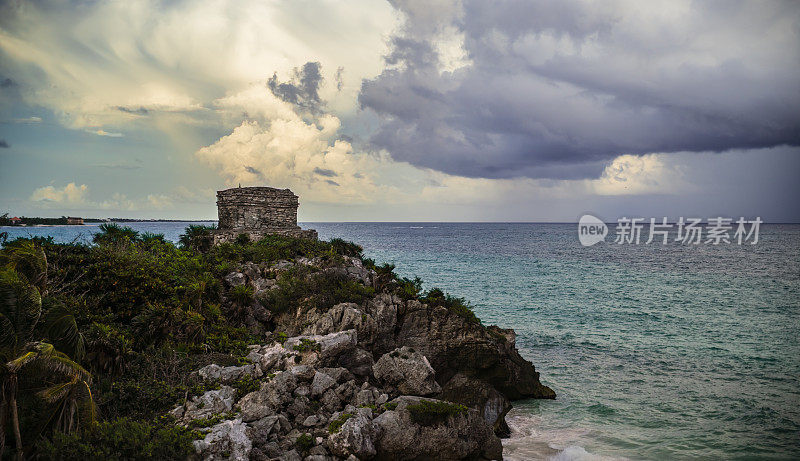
x=257 y=212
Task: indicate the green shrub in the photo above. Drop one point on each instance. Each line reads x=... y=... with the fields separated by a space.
x=246 y=385
x=242 y=294
x=197 y=238
x=430 y=412
x=304 y=443
x=345 y=248
x=144 y=398
x=122 y=439
x=322 y=290
x=458 y=306
x=211 y=420
x=114 y=234
x=242 y=239
x=409 y=288
x=390 y=406
x=337 y=423
x=306 y=345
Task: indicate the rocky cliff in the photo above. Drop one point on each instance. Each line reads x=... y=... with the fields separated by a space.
x=392 y=377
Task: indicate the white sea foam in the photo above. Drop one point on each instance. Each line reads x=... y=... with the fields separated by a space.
x=529 y=442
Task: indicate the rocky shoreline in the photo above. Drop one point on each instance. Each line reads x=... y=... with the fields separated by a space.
x=389 y=378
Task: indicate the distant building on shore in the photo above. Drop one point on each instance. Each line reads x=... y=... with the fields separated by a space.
x=72 y=220
x=15 y=221
x=258 y=212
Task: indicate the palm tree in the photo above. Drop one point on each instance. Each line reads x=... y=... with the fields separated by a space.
x=112 y=233
x=72 y=397
x=197 y=237
x=24 y=353
x=27 y=259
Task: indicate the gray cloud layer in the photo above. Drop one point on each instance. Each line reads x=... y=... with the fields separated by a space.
x=303 y=89
x=557 y=89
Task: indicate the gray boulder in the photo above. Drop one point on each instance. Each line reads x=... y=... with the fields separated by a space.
x=262 y=286
x=234 y=279
x=209 y=404
x=345 y=316
x=251 y=270
x=321 y=383
x=477 y=394
x=355 y=437
x=272 y=396
x=458 y=344
x=255 y=405
x=330 y=345
x=404 y=434
x=227 y=440
x=261 y=429
x=270 y=357
x=358 y=361
x=215 y=372
x=408 y=371
x=384 y=309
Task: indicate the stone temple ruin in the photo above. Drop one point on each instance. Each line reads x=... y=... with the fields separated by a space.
x=258 y=212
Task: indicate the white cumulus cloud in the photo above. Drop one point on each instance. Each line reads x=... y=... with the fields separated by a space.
x=71 y=194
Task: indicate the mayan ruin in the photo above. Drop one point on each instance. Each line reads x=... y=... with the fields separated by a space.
x=258 y=212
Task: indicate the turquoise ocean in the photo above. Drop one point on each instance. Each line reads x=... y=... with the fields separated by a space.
x=655 y=351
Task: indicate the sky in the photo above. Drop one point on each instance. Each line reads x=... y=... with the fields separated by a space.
x=407 y=110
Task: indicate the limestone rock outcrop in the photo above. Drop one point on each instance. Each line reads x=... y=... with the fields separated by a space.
x=407 y=370
x=386 y=378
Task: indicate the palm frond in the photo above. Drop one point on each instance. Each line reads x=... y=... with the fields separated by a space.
x=18 y=363
x=60 y=327
x=29 y=260
x=56 y=392
x=45 y=355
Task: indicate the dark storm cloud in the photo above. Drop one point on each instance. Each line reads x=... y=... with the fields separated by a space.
x=325 y=172
x=133 y=110
x=303 y=89
x=252 y=170
x=4 y=144
x=557 y=89
x=339 y=78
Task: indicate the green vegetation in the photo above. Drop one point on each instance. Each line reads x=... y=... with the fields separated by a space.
x=281 y=337
x=212 y=420
x=98 y=341
x=390 y=406
x=246 y=385
x=429 y=412
x=112 y=330
x=33 y=372
x=459 y=306
x=62 y=221
x=304 y=443
x=337 y=423
x=299 y=286
x=197 y=237
x=122 y=439
x=306 y=345
x=115 y=234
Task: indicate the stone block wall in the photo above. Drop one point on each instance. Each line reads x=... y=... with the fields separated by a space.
x=257 y=212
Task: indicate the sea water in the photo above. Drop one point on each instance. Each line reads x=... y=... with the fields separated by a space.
x=655 y=351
